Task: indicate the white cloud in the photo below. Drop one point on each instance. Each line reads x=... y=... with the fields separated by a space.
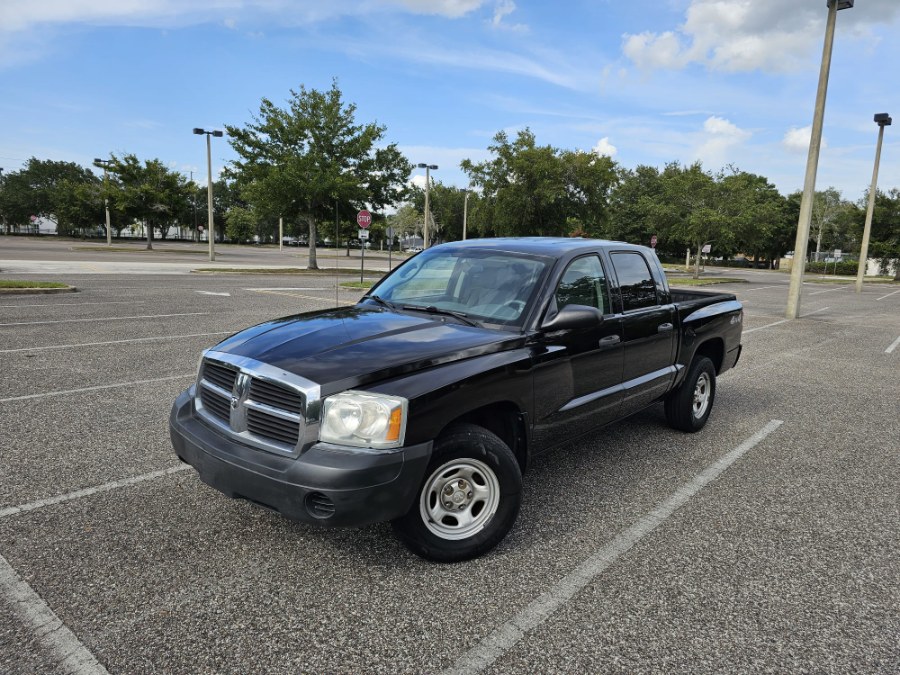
x=449 y=8
x=604 y=147
x=747 y=35
x=502 y=9
x=16 y=15
x=719 y=140
x=797 y=140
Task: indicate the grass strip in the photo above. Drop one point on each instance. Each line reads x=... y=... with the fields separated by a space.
x=708 y=281
x=7 y=283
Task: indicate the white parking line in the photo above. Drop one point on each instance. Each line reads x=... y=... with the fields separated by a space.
x=87 y=492
x=114 y=342
x=504 y=638
x=111 y=318
x=761 y=288
x=830 y=290
x=890 y=350
x=78 y=304
x=778 y=323
x=67 y=650
x=888 y=295
x=100 y=387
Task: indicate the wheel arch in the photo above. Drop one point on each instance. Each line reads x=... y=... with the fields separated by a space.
x=714 y=350
x=505 y=420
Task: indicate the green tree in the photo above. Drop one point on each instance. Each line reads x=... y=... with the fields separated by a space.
x=310 y=159
x=524 y=184
x=39 y=190
x=150 y=193
x=635 y=205
x=885 y=234
x=695 y=208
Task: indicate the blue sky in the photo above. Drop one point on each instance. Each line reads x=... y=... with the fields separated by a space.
x=722 y=81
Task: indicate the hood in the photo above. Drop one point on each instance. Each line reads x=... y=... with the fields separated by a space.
x=353 y=346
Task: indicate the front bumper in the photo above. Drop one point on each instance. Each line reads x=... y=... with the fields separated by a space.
x=326 y=485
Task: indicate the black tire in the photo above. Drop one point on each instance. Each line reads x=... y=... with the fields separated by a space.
x=475 y=474
x=689 y=406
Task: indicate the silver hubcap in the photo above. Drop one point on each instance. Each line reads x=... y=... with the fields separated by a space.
x=459 y=498
x=702 y=391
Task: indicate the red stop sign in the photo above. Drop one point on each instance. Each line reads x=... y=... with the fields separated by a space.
x=364 y=219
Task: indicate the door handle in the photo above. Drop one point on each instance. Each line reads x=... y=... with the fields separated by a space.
x=610 y=340
x=664 y=328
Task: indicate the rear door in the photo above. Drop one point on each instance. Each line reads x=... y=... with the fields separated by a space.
x=648 y=332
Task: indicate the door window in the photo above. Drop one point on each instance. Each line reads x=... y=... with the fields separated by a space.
x=583 y=283
x=635 y=281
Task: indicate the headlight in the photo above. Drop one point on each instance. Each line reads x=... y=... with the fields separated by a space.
x=364 y=420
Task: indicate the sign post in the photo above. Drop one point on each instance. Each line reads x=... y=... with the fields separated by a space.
x=390 y=236
x=363 y=219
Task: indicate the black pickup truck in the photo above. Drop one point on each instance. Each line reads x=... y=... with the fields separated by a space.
x=423 y=403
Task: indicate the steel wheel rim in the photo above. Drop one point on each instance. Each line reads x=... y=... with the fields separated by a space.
x=459 y=498
x=702 y=393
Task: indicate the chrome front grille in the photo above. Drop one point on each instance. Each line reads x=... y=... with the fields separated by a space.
x=275 y=396
x=257 y=404
x=219 y=375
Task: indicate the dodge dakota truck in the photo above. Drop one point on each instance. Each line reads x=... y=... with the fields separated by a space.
x=423 y=403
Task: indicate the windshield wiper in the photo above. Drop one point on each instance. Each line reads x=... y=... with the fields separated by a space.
x=431 y=309
x=381 y=301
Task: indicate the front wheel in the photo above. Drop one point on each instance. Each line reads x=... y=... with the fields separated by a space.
x=689 y=406
x=469 y=500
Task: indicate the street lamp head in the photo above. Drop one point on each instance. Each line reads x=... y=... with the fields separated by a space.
x=421 y=165
x=883 y=119
x=198 y=131
x=217 y=133
x=841 y=4
x=97 y=160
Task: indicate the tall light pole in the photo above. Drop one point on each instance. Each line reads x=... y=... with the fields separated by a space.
x=428 y=168
x=882 y=120
x=465 y=212
x=209 y=187
x=812 y=164
x=105 y=163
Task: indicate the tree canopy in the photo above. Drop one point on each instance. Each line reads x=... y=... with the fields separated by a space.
x=310 y=159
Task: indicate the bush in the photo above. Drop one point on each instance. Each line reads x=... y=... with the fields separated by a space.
x=848 y=267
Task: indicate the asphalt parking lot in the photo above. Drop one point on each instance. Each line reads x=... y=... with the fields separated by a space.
x=768 y=542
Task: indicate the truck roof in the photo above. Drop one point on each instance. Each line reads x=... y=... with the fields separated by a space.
x=548 y=246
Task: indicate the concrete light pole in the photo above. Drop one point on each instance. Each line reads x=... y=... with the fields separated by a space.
x=209 y=188
x=812 y=163
x=882 y=120
x=105 y=164
x=428 y=168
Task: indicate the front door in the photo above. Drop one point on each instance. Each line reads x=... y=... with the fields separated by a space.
x=579 y=372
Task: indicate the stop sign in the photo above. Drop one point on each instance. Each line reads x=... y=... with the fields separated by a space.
x=364 y=219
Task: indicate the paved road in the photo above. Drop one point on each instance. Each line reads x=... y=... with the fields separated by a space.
x=49 y=255
x=767 y=542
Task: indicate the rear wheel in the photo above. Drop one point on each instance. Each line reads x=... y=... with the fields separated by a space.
x=689 y=406
x=469 y=500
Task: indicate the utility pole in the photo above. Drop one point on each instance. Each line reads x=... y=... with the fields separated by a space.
x=882 y=120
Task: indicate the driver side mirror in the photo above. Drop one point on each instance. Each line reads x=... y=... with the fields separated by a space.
x=573 y=317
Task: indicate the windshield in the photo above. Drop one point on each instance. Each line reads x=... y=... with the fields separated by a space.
x=484 y=284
